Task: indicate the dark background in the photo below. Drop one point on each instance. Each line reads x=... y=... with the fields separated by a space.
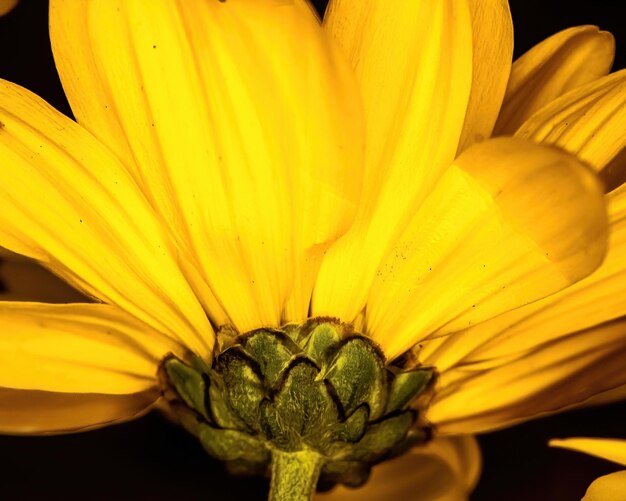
x=151 y=460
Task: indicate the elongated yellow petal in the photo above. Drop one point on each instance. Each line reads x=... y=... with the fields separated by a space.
x=245 y=129
x=560 y=63
x=492 y=43
x=475 y=398
x=446 y=469
x=70 y=204
x=413 y=63
x=596 y=299
x=509 y=223
x=608 y=488
x=34 y=412
x=611 y=449
x=78 y=348
x=588 y=121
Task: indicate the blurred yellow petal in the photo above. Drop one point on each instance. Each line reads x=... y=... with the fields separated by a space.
x=462 y=455
x=446 y=469
x=35 y=412
x=560 y=63
x=611 y=449
x=588 y=122
x=608 y=488
x=245 y=129
x=74 y=367
x=7 y=6
x=596 y=299
x=69 y=203
x=492 y=42
x=78 y=348
x=509 y=223
x=413 y=61
x=477 y=398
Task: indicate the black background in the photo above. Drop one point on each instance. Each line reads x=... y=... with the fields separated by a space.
x=152 y=460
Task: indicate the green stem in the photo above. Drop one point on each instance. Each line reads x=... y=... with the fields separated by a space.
x=294 y=475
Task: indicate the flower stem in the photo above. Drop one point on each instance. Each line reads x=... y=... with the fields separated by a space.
x=294 y=475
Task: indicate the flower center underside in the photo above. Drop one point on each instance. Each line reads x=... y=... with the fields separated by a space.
x=307 y=400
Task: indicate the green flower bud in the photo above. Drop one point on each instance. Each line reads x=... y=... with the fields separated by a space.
x=316 y=390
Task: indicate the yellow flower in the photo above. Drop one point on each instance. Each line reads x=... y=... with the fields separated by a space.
x=237 y=165
x=609 y=487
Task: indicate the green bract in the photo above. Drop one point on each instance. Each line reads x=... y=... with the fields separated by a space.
x=317 y=390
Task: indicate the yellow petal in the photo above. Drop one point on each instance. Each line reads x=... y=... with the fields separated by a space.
x=608 y=488
x=244 y=125
x=589 y=122
x=471 y=399
x=509 y=223
x=446 y=469
x=413 y=63
x=560 y=63
x=611 y=449
x=596 y=299
x=34 y=412
x=78 y=348
x=492 y=42
x=70 y=204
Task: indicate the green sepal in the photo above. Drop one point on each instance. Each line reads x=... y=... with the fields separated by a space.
x=302 y=411
x=405 y=386
x=382 y=437
x=353 y=428
x=358 y=375
x=189 y=384
x=221 y=412
x=304 y=402
x=231 y=445
x=273 y=428
x=293 y=332
x=243 y=385
x=272 y=351
x=322 y=338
